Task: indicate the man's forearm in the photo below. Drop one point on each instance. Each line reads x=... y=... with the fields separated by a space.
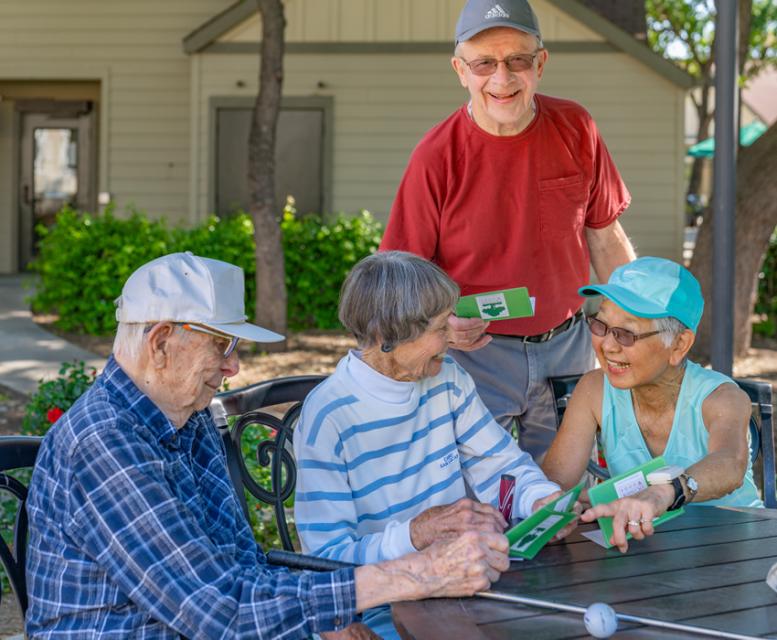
x=609 y=248
x=387 y=582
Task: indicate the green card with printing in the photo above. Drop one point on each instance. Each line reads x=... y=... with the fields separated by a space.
x=496 y=305
x=626 y=484
x=530 y=535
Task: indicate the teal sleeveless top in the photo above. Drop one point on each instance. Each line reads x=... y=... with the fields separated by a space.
x=625 y=448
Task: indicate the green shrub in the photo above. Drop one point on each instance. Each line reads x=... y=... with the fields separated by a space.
x=318 y=256
x=84 y=260
x=54 y=397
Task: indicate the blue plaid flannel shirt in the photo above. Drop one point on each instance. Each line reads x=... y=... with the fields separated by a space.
x=135 y=530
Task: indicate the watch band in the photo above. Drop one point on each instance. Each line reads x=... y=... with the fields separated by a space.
x=679 y=495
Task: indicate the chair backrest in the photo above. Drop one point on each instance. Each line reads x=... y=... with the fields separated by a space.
x=760 y=394
x=247 y=407
x=16 y=452
x=761 y=429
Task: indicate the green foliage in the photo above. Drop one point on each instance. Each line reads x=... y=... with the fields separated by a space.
x=84 y=260
x=56 y=396
x=261 y=515
x=685 y=32
x=318 y=257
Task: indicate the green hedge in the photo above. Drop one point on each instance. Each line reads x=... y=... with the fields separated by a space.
x=84 y=259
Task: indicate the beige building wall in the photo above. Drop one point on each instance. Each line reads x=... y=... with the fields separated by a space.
x=133 y=50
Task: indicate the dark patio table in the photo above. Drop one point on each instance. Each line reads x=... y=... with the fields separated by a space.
x=706 y=568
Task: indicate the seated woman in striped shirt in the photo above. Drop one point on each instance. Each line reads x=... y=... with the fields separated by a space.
x=387 y=445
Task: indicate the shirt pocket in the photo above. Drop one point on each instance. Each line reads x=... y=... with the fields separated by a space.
x=563 y=204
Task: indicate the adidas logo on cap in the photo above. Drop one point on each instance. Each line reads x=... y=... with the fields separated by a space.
x=496 y=12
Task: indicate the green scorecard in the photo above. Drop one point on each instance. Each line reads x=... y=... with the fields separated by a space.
x=496 y=305
x=626 y=484
x=530 y=535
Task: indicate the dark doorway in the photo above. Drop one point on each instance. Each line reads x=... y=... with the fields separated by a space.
x=56 y=165
x=300 y=155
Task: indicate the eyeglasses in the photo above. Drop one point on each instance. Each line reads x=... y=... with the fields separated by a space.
x=226 y=343
x=623 y=337
x=514 y=63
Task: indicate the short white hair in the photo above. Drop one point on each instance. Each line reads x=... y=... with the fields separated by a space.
x=130 y=337
x=129 y=340
x=670 y=328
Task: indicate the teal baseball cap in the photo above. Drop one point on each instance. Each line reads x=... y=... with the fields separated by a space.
x=653 y=288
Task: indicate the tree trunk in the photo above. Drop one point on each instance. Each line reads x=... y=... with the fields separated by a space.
x=756 y=218
x=270 y=271
x=703 y=132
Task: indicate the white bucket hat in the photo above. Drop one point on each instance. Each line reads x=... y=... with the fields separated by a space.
x=182 y=287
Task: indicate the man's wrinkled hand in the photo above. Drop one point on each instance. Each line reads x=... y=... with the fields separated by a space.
x=465 y=565
x=467 y=334
x=450 y=521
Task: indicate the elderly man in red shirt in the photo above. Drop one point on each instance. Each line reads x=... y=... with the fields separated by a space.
x=514 y=189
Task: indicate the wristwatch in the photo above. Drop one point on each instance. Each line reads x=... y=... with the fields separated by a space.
x=679 y=490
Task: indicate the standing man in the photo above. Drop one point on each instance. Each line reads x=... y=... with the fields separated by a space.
x=514 y=189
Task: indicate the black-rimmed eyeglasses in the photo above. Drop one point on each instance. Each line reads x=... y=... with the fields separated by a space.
x=515 y=63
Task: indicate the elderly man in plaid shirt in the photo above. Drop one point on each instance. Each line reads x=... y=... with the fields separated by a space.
x=135 y=529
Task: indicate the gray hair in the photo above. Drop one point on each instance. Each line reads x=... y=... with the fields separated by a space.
x=130 y=337
x=390 y=297
x=670 y=328
x=129 y=340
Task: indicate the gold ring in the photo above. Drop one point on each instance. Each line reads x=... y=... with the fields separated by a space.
x=634 y=523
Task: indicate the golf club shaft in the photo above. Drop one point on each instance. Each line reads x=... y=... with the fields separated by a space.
x=675 y=626
x=313 y=563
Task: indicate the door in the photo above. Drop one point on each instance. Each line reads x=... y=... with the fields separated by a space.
x=299 y=158
x=56 y=152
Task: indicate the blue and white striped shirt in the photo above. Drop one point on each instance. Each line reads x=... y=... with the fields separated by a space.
x=373 y=453
x=136 y=531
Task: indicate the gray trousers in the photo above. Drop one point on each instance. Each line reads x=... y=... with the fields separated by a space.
x=512 y=379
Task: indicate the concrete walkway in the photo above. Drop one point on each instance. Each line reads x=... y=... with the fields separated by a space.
x=27 y=353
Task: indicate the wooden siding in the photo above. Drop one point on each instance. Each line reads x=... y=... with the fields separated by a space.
x=384 y=104
x=392 y=21
x=134 y=50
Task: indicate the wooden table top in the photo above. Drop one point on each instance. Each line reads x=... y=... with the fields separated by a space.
x=706 y=568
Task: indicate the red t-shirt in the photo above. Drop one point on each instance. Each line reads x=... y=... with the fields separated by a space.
x=497 y=212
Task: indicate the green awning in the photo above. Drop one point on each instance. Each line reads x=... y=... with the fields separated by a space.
x=747 y=136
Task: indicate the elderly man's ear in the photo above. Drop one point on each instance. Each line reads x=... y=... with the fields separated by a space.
x=681 y=346
x=158 y=343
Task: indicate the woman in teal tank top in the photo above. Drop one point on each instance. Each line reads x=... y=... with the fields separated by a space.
x=649 y=400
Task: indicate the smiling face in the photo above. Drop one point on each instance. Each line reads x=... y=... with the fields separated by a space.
x=647 y=361
x=419 y=358
x=501 y=102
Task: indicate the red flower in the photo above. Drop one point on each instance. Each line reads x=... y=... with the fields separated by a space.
x=52 y=415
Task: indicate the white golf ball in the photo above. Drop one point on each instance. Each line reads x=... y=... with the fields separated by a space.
x=600 y=620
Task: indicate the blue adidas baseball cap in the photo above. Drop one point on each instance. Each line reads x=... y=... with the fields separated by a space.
x=653 y=288
x=479 y=15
